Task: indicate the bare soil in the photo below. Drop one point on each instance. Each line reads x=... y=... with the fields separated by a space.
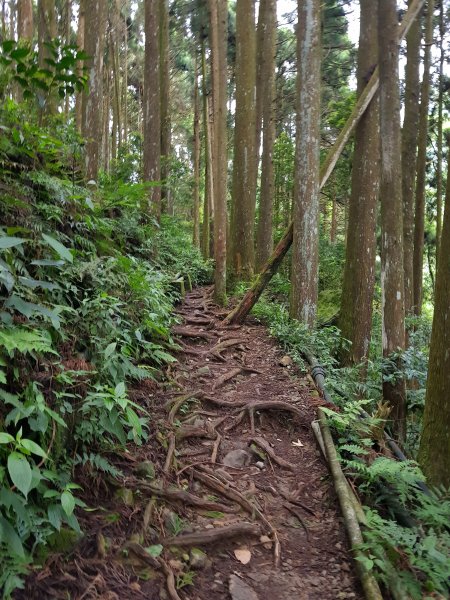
x=229 y=386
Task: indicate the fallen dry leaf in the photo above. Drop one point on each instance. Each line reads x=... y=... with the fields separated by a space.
x=243 y=555
x=297 y=443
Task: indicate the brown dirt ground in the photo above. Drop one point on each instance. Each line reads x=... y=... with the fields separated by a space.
x=314 y=562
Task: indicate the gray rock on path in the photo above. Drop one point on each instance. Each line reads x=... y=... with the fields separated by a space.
x=240 y=590
x=237 y=459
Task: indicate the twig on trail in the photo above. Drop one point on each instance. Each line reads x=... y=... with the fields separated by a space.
x=178 y=495
x=170 y=453
x=211 y=536
x=170 y=580
x=264 y=445
x=296 y=514
x=193 y=333
x=179 y=403
x=216 y=448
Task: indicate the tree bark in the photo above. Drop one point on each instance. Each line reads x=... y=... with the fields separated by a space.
x=218 y=35
x=440 y=130
x=419 y=226
x=208 y=162
x=94 y=43
x=267 y=48
x=392 y=286
x=434 y=453
x=409 y=155
x=46 y=32
x=166 y=201
x=242 y=255
x=355 y=317
x=25 y=20
x=152 y=106
x=196 y=161
x=305 y=243
x=80 y=45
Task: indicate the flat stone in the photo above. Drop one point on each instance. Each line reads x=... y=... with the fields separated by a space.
x=237 y=459
x=239 y=590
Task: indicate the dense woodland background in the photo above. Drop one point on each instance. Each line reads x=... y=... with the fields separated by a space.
x=146 y=147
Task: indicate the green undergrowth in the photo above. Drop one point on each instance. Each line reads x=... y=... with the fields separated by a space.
x=87 y=290
x=406 y=534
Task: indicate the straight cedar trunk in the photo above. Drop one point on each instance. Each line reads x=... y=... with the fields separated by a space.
x=95 y=15
x=166 y=200
x=196 y=207
x=238 y=314
x=46 y=32
x=218 y=11
x=419 y=225
x=208 y=161
x=409 y=155
x=266 y=49
x=440 y=130
x=25 y=20
x=355 y=317
x=80 y=44
x=305 y=244
x=124 y=28
x=434 y=453
x=242 y=255
x=152 y=106
x=392 y=287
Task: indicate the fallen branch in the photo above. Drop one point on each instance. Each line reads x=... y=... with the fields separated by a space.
x=212 y=536
x=264 y=445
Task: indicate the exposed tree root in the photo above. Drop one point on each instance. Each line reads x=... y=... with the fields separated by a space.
x=211 y=536
x=193 y=333
x=233 y=373
x=216 y=448
x=170 y=454
x=217 y=350
x=191 y=431
x=220 y=402
x=143 y=556
x=170 y=580
x=250 y=408
x=178 y=403
x=296 y=514
x=264 y=445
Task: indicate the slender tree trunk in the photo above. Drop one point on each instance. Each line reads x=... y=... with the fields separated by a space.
x=152 y=105
x=392 y=286
x=419 y=226
x=25 y=20
x=46 y=32
x=355 y=318
x=167 y=203
x=67 y=41
x=333 y=228
x=208 y=161
x=80 y=44
x=196 y=228
x=434 y=453
x=95 y=14
x=12 y=19
x=439 y=131
x=305 y=245
x=242 y=255
x=125 y=74
x=409 y=154
x=267 y=48
x=218 y=35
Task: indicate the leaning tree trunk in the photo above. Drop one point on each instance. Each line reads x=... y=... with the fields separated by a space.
x=419 y=226
x=218 y=35
x=264 y=235
x=434 y=453
x=409 y=155
x=392 y=286
x=152 y=120
x=242 y=220
x=355 y=319
x=305 y=243
x=95 y=15
x=238 y=314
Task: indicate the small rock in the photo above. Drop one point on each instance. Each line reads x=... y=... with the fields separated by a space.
x=260 y=464
x=237 y=459
x=146 y=469
x=198 y=559
x=203 y=371
x=286 y=361
x=239 y=590
x=266 y=542
x=125 y=495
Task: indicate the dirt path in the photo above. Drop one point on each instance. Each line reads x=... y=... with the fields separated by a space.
x=232 y=394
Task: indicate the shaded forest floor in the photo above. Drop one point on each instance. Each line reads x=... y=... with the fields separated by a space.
x=229 y=498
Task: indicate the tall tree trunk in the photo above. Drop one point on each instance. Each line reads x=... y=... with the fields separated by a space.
x=124 y=27
x=242 y=254
x=46 y=32
x=152 y=105
x=12 y=18
x=439 y=131
x=67 y=41
x=409 y=154
x=94 y=43
x=80 y=44
x=25 y=20
x=208 y=161
x=392 y=286
x=419 y=226
x=167 y=203
x=267 y=48
x=196 y=208
x=434 y=453
x=305 y=244
x=218 y=11
x=355 y=318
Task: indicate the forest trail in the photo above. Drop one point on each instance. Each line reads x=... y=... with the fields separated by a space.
x=274 y=515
